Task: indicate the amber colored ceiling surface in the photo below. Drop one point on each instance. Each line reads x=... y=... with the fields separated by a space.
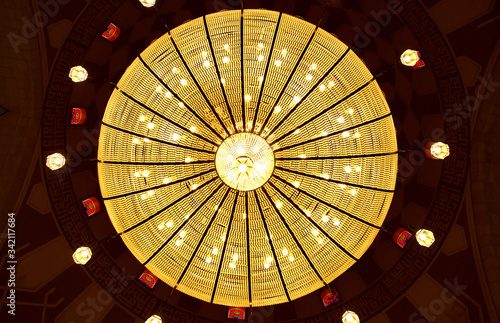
x=455 y=280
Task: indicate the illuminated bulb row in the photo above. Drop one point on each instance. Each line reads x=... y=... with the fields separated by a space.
x=162 y=225
x=144 y=173
x=150 y=193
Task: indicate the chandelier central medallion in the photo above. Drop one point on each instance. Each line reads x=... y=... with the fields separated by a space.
x=244 y=161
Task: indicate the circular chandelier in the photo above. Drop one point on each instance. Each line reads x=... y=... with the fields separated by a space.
x=247 y=158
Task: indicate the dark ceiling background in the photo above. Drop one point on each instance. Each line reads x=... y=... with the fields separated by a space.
x=452 y=99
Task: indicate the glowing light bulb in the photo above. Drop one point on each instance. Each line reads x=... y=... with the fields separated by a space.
x=235 y=257
x=407 y=58
x=136 y=174
x=350 y=111
x=178 y=243
x=358 y=169
x=266 y=265
x=208 y=260
x=291 y=258
x=187 y=160
x=158 y=88
x=206 y=63
x=325 y=218
x=151 y=125
x=279 y=204
x=277 y=63
x=145 y=173
x=193 y=129
x=340 y=120
x=326 y=176
x=226 y=60
x=248 y=97
x=242 y=168
x=269 y=259
x=315 y=232
x=226 y=47
x=182 y=234
x=143 y=196
x=261 y=58
x=296 y=99
x=313 y=67
x=136 y=140
x=342 y=185
x=166 y=180
x=336 y=222
x=297 y=131
x=150 y=193
x=146 y=140
x=175 y=136
x=141 y=118
x=324 y=133
x=261 y=45
x=345 y=134
x=194 y=186
x=215 y=251
x=184 y=82
x=168 y=95
x=285 y=252
x=296 y=184
x=322 y=87
x=161 y=226
x=302 y=156
x=309 y=77
x=169 y=224
x=353 y=192
x=231 y=265
x=347 y=169
x=308 y=213
x=331 y=83
x=277 y=109
x=181 y=105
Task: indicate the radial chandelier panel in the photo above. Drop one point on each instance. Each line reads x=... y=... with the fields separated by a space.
x=247 y=158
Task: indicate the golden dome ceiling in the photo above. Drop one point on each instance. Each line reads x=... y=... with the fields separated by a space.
x=291 y=103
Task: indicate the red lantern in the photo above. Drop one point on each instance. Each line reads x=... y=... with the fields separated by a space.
x=78 y=116
x=236 y=313
x=329 y=296
x=92 y=206
x=148 y=278
x=420 y=62
x=401 y=236
x=112 y=32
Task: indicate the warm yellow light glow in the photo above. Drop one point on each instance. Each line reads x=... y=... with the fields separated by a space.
x=225 y=60
x=55 y=161
x=193 y=129
x=285 y=252
x=158 y=88
x=154 y=318
x=425 y=237
x=409 y=57
x=340 y=120
x=439 y=150
x=208 y=260
x=244 y=161
x=187 y=160
x=78 y=74
x=151 y=125
x=82 y=255
x=350 y=317
x=145 y=173
x=148 y=4
x=277 y=63
x=142 y=118
x=252 y=149
x=183 y=82
x=347 y=169
x=325 y=218
x=345 y=134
